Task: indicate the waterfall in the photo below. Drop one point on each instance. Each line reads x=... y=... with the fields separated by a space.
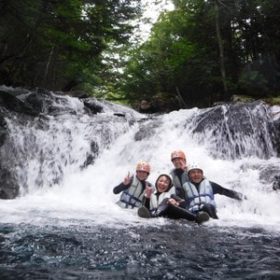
x=67 y=164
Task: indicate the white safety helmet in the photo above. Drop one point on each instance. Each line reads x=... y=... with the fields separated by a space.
x=193 y=166
x=143 y=166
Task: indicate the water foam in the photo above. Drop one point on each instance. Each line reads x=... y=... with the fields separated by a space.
x=85 y=196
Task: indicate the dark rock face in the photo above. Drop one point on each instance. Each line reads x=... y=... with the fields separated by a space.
x=276 y=183
x=275 y=135
x=147 y=130
x=92 y=106
x=44 y=102
x=47 y=103
x=237 y=130
x=92 y=155
x=3 y=129
x=13 y=103
x=9 y=187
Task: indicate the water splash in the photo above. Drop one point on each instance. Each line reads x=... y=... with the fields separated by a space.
x=85 y=194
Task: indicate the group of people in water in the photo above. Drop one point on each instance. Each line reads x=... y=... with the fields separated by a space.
x=184 y=193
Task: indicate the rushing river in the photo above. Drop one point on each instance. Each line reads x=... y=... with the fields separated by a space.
x=74 y=229
x=170 y=250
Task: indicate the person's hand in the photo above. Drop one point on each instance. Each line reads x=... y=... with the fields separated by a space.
x=127 y=179
x=148 y=191
x=242 y=196
x=173 y=202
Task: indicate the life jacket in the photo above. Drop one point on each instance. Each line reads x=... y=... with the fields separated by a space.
x=196 y=198
x=132 y=197
x=176 y=180
x=156 y=200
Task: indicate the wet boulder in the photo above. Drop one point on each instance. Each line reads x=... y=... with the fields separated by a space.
x=91 y=155
x=9 y=187
x=236 y=130
x=46 y=102
x=275 y=135
x=3 y=129
x=92 y=106
x=276 y=183
x=13 y=103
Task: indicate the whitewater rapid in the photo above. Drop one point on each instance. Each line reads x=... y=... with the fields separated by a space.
x=85 y=196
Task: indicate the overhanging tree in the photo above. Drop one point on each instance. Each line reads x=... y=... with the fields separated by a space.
x=58 y=44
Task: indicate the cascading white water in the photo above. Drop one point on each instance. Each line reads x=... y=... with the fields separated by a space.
x=85 y=196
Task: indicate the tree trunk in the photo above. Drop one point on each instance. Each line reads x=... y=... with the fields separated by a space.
x=221 y=47
x=48 y=66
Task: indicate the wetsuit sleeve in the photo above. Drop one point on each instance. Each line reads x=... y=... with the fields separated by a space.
x=223 y=191
x=121 y=187
x=176 y=197
x=146 y=202
x=182 y=202
x=180 y=192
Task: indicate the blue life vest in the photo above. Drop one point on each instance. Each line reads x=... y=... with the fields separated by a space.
x=196 y=198
x=132 y=197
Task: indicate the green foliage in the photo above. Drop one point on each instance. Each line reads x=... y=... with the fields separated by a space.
x=254 y=83
x=172 y=60
x=203 y=48
x=59 y=44
x=197 y=53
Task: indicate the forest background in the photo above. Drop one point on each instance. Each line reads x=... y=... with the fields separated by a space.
x=198 y=53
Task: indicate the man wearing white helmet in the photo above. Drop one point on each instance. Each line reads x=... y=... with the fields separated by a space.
x=199 y=193
x=179 y=173
x=133 y=187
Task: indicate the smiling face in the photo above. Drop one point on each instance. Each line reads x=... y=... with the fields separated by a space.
x=142 y=175
x=163 y=184
x=196 y=175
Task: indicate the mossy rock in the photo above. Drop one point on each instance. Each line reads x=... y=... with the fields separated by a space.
x=273 y=100
x=242 y=98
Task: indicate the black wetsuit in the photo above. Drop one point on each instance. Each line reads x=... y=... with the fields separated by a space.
x=121 y=187
x=128 y=199
x=209 y=208
x=178 y=173
x=169 y=210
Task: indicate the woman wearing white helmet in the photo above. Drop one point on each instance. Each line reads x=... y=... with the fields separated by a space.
x=133 y=187
x=199 y=193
